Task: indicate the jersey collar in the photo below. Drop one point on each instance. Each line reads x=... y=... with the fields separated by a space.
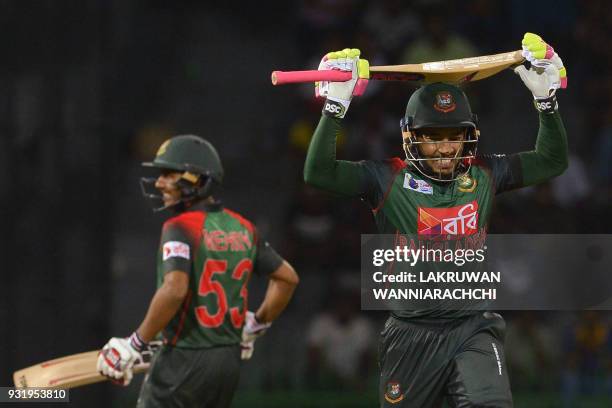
x=206 y=207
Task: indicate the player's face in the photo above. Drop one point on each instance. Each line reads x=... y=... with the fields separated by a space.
x=166 y=184
x=443 y=146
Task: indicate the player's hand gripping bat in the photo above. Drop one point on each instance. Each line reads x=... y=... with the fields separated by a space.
x=71 y=371
x=452 y=71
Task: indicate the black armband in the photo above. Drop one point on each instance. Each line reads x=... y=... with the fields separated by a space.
x=548 y=105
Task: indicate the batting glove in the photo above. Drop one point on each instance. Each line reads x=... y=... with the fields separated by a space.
x=117 y=358
x=250 y=332
x=246 y=349
x=339 y=94
x=546 y=75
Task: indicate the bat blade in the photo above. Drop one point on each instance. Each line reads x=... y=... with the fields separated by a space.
x=452 y=71
x=65 y=372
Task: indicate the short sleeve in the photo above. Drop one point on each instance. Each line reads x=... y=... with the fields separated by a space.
x=267 y=260
x=176 y=248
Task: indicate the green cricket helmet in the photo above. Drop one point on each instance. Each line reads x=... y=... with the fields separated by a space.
x=440 y=105
x=196 y=159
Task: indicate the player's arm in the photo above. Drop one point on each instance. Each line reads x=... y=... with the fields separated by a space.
x=281 y=286
x=119 y=355
x=282 y=281
x=321 y=169
x=550 y=156
x=176 y=262
x=164 y=305
x=547 y=74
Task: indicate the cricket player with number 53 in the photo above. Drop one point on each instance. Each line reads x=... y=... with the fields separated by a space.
x=206 y=256
x=428 y=356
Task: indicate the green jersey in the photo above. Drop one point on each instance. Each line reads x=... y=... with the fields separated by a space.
x=218 y=249
x=404 y=201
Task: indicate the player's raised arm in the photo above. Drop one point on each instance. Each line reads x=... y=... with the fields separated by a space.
x=321 y=169
x=547 y=74
x=549 y=158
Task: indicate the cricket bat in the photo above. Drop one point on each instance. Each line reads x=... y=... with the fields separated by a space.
x=67 y=372
x=452 y=71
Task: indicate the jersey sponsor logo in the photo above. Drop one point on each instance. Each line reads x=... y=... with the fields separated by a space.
x=220 y=241
x=445 y=102
x=458 y=220
x=393 y=393
x=175 y=249
x=415 y=184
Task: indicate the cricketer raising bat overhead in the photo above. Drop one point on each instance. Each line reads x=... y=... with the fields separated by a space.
x=452 y=71
x=439 y=352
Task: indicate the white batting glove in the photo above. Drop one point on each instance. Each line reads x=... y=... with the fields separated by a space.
x=252 y=328
x=339 y=94
x=250 y=332
x=246 y=349
x=546 y=75
x=117 y=358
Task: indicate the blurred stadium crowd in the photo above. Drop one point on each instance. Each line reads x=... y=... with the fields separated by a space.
x=89 y=89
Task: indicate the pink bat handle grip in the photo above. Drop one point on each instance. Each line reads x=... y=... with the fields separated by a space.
x=292 y=77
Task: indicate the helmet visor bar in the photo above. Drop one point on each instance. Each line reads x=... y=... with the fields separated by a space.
x=441 y=158
x=150 y=192
x=412 y=156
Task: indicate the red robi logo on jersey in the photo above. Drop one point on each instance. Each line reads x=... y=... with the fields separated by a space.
x=445 y=102
x=459 y=220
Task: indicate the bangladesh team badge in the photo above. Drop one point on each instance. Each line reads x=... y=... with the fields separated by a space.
x=466 y=183
x=394 y=394
x=444 y=102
